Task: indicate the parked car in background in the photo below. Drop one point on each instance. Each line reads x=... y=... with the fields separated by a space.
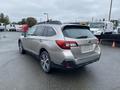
x=64 y=46
x=2 y=26
x=108 y=28
x=117 y=30
x=99 y=28
x=11 y=27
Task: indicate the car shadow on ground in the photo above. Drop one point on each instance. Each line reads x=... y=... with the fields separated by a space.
x=79 y=78
x=85 y=71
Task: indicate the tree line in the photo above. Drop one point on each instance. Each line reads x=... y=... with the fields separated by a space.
x=31 y=21
x=4 y=19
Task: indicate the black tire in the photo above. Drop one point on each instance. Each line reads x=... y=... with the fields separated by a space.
x=21 y=49
x=45 y=62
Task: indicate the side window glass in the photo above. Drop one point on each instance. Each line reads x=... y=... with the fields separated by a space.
x=31 y=30
x=39 y=31
x=45 y=31
x=50 y=31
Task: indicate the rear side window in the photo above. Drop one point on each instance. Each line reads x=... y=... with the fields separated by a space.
x=49 y=31
x=77 y=32
x=39 y=31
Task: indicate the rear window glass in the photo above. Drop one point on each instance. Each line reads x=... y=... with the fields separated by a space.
x=77 y=32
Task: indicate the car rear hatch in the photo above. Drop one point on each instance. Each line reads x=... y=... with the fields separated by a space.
x=85 y=41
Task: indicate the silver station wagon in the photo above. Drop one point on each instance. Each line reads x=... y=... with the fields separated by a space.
x=66 y=46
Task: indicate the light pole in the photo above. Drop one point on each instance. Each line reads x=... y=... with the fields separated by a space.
x=47 y=16
x=110 y=9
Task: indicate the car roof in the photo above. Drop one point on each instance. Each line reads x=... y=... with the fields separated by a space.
x=62 y=25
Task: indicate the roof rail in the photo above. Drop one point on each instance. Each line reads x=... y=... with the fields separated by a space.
x=50 y=22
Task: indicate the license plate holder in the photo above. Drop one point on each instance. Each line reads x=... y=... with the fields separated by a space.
x=86 y=48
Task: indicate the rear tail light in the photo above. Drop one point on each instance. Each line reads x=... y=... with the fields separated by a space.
x=66 y=44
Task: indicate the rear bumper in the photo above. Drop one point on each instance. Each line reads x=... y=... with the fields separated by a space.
x=72 y=64
x=69 y=59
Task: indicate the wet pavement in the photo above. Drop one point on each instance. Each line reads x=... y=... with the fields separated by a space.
x=23 y=72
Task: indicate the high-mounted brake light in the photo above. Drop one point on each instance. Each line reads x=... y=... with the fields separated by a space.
x=66 y=44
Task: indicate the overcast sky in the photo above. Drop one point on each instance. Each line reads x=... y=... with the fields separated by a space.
x=65 y=10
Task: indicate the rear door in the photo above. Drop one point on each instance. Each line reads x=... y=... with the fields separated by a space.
x=27 y=40
x=37 y=39
x=43 y=38
x=83 y=37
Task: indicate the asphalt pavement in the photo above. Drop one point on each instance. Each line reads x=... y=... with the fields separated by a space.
x=23 y=72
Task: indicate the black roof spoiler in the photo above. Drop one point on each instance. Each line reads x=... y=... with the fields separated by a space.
x=76 y=25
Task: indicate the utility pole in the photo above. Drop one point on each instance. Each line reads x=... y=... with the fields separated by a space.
x=47 y=16
x=110 y=9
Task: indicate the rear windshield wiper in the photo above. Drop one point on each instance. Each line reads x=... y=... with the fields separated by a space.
x=82 y=37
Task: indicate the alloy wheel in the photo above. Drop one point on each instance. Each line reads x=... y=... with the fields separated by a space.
x=45 y=61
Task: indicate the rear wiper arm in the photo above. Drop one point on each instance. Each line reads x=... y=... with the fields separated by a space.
x=82 y=37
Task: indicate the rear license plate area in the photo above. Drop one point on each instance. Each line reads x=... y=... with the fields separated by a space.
x=87 y=48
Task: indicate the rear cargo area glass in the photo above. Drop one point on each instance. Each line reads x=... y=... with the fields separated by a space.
x=77 y=32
